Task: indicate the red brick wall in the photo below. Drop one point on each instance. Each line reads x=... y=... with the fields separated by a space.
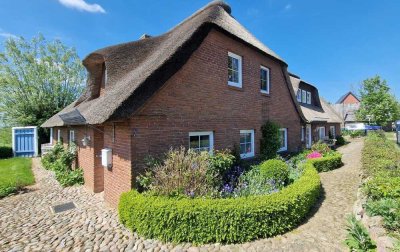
x=350 y=99
x=315 y=126
x=118 y=179
x=198 y=98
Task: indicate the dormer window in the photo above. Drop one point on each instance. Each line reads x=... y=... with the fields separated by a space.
x=304 y=96
x=308 y=97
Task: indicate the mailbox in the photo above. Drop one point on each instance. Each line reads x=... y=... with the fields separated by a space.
x=106 y=158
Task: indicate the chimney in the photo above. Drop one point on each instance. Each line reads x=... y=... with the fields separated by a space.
x=145 y=36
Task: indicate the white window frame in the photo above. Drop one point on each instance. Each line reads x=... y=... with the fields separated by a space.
x=239 y=83
x=319 y=133
x=268 y=78
x=308 y=97
x=299 y=95
x=302 y=133
x=303 y=96
x=284 y=148
x=204 y=133
x=71 y=136
x=248 y=154
x=332 y=129
x=308 y=136
x=58 y=135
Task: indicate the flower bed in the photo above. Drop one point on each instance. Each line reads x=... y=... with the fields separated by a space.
x=225 y=220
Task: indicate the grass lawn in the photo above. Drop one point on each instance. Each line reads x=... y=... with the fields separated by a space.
x=15 y=173
x=5 y=137
x=392 y=136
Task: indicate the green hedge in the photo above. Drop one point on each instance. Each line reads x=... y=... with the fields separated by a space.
x=5 y=152
x=328 y=163
x=230 y=220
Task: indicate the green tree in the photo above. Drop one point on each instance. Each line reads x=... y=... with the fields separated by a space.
x=270 y=141
x=37 y=79
x=377 y=103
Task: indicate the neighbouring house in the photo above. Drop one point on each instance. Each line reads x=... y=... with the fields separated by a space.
x=323 y=121
x=206 y=84
x=347 y=107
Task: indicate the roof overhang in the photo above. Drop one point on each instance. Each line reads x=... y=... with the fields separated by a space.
x=73 y=118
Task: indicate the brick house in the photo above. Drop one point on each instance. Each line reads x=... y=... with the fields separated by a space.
x=322 y=119
x=346 y=107
x=205 y=84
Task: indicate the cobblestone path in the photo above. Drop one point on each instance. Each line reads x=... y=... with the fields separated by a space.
x=28 y=224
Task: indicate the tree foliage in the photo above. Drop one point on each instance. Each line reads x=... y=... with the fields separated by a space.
x=270 y=141
x=377 y=102
x=38 y=78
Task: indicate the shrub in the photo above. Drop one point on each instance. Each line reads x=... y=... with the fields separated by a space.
x=69 y=178
x=382 y=187
x=340 y=140
x=320 y=147
x=276 y=170
x=6 y=152
x=253 y=183
x=314 y=154
x=270 y=140
x=357 y=133
x=184 y=172
x=221 y=162
x=205 y=220
x=358 y=238
x=330 y=162
x=389 y=209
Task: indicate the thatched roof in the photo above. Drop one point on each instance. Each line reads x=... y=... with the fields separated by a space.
x=324 y=112
x=136 y=70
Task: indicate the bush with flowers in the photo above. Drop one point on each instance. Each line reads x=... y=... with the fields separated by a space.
x=196 y=197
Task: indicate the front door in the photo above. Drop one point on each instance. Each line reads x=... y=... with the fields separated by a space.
x=308 y=136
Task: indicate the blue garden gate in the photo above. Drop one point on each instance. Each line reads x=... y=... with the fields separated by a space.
x=25 y=142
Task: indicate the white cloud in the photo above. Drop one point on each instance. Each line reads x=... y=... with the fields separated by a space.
x=288 y=7
x=5 y=34
x=81 y=5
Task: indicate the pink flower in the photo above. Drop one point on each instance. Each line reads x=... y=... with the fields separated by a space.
x=314 y=154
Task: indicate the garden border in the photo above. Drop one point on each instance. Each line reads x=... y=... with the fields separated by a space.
x=231 y=220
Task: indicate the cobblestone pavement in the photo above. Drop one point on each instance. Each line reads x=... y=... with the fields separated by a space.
x=28 y=224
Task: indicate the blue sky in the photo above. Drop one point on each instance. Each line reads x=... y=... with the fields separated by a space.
x=332 y=44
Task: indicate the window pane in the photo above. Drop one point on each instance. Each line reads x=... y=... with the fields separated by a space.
x=248 y=137
x=282 y=138
x=263 y=85
x=243 y=138
x=242 y=148
x=194 y=142
x=235 y=64
x=248 y=147
x=229 y=62
x=205 y=141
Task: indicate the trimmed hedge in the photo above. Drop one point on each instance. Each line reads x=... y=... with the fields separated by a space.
x=328 y=163
x=230 y=220
x=6 y=152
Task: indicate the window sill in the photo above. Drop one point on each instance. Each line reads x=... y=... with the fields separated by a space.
x=247 y=156
x=235 y=88
x=265 y=94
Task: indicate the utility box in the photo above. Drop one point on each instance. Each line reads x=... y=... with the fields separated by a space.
x=398 y=131
x=106 y=158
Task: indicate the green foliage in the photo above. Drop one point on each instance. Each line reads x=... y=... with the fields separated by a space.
x=340 y=141
x=320 y=147
x=382 y=187
x=15 y=174
x=389 y=209
x=276 y=170
x=184 y=173
x=221 y=162
x=356 y=133
x=60 y=160
x=5 y=137
x=70 y=178
x=331 y=161
x=252 y=183
x=358 y=238
x=270 y=141
x=228 y=220
x=5 y=152
x=378 y=102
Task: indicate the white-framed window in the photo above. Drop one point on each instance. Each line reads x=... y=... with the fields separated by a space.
x=51 y=136
x=308 y=97
x=201 y=141
x=264 y=80
x=321 y=133
x=71 y=136
x=299 y=95
x=302 y=133
x=234 y=70
x=283 y=139
x=246 y=143
x=332 y=130
x=58 y=135
x=303 y=96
